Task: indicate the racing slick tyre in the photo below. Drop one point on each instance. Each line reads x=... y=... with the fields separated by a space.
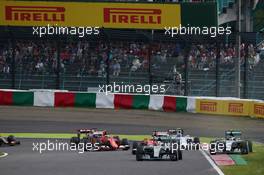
x=249 y=146
x=196 y=141
x=244 y=148
x=125 y=143
x=139 y=153
x=85 y=142
x=235 y=145
x=97 y=145
x=10 y=139
x=174 y=156
x=134 y=147
x=75 y=140
x=1 y=141
x=98 y=141
x=179 y=154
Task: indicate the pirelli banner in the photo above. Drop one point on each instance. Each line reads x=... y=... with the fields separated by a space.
x=224 y=106
x=107 y=15
x=257 y=109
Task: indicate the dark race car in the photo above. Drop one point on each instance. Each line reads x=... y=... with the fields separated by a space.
x=232 y=143
x=160 y=146
x=9 y=141
x=100 y=140
x=156 y=136
x=186 y=142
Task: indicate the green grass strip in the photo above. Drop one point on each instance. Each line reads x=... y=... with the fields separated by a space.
x=254 y=163
x=239 y=160
x=69 y=135
x=65 y=135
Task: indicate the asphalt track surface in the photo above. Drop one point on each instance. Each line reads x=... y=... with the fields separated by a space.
x=67 y=120
x=23 y=160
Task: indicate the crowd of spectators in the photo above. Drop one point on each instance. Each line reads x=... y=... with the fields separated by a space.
x=83 y=58
x=203 y=56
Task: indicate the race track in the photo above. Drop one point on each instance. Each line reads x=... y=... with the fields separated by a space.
x=67 y=120
x=23 y=160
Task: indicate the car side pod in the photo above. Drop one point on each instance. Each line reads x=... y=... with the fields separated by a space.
x=134 y=147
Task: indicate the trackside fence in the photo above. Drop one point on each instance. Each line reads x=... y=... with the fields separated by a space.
x=167 y=103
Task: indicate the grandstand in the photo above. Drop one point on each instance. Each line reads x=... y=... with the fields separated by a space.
x=136 y=56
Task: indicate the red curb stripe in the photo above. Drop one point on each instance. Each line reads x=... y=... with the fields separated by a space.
x=222 y=159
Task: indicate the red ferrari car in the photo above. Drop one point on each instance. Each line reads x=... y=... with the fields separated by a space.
x=100 y=139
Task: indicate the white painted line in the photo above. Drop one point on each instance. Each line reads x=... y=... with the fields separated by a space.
x=217 y=169
x=4 y=155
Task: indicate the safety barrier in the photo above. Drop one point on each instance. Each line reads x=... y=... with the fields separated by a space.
x=206 y=105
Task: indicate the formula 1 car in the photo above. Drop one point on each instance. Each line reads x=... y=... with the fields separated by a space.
x=100 y=138
x=232 y=143
x=161 y=146
x=156 y=136
x=186 y=141
x=10 y=141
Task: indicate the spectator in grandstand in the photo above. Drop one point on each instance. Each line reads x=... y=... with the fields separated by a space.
x=86 y=58
x=135 y=65
x=92 y=69
x=39 y=67
x=102 y=69
x=179 y=84
x=6 y=70
x=261 y=51
x=116 y=68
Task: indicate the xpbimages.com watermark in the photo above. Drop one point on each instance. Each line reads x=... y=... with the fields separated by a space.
x=130 y=88
x=80 y=31
x=191 y=30
x=58 y=146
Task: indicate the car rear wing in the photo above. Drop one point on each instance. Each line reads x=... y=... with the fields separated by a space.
x=85 y=131
x=175 y=131
x=233 y=133
x=159 y=133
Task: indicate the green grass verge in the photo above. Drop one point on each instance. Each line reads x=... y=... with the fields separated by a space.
x=255 y=164
x=255 y=160
x=65 y=136
x=69 y=135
